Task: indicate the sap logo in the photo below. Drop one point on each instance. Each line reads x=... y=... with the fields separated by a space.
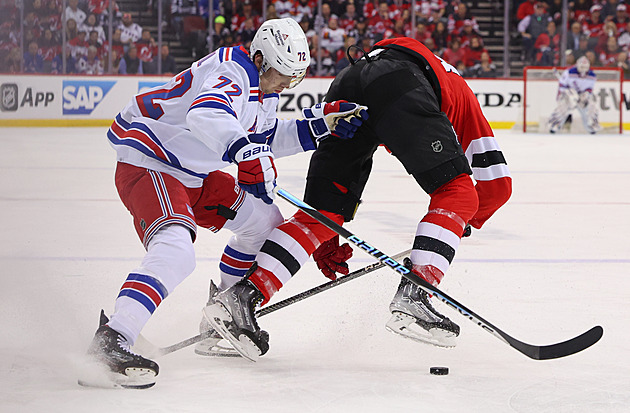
x=144 y=86
x=81 y=97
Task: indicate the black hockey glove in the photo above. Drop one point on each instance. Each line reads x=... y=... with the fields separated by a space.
x=467 y=231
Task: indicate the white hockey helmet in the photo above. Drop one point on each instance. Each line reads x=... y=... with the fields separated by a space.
x=284 y=47
x=583 y=65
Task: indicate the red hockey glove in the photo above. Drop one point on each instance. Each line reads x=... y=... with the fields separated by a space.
x=339 y=118
x=331 y=258
x=256 y=170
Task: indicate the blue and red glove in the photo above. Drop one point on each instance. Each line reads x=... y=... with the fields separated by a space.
x=339 y=118
x=256 y=170
x=331 y=258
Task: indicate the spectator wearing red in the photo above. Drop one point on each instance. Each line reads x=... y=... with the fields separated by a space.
x=531 y=27
x=53 y=18
x=461 y=16
x=548 y=46
x=624 y=38
x=370 y=8
x=347 y=20
x=147 y=47
x=525 y=9
x=581 y=9
x=594 y=26
x=93 y=40
x=422 y=33
x=473 y=51
x=467 y=33
x=454 y=53
x=79 y=45
x=381 y=22
x=238 y=20
x=608 y=56
x=621 y=17
x=609 y=30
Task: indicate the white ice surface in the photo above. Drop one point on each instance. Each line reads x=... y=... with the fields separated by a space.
x=552 y=263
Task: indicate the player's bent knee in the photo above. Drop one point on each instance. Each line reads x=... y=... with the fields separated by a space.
x=434 y=178
x=458 y=196
x=170 y=255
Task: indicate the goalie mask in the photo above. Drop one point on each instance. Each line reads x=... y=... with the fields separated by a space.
x=583 y=65
x=284 y=47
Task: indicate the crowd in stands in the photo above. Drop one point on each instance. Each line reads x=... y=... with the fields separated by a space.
x=445 y=26
x=133 y=50
x=597 y=29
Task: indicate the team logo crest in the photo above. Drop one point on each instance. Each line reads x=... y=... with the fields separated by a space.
x=437 y=146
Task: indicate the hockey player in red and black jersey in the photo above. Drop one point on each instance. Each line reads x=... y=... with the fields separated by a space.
x=426 y=115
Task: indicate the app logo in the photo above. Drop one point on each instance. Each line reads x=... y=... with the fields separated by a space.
x=9 y=96
x=81 y=97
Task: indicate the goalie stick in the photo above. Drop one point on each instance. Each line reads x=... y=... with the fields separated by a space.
x=535 y=352
x=151 y=350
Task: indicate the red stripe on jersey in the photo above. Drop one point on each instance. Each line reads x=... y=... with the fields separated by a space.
x=147 y=141
x=145 y=289
x=210 y=98
x=241 y=265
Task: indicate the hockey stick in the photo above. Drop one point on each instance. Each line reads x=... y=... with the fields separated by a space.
x=535 y=352
x=150 y=350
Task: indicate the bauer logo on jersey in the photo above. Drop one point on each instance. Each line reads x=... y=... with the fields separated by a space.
x=9 y=95
x=81 y=97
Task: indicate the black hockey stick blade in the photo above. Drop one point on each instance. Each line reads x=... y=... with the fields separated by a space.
x=150 y=350
x=553 y=351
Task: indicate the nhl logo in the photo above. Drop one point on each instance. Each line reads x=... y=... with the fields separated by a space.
x=9 y=96
x=437 y=146
x=143 y=224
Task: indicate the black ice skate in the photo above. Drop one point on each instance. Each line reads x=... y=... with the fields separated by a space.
x=115 y=365
x=232 y=315
x=414 y=317
x=214 y=345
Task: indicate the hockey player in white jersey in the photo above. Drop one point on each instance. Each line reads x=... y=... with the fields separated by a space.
x=172 y=142
x=575 y=91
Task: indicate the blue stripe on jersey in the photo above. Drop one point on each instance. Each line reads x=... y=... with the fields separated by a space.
x=122 y=122
x=142 y=148
x=171 y=157
x=139 y=297
x=238 y=255
x=304 y=134
x=232 y=271
x=271 y=95
x=242 y=58
x=153 y=282
x=214 y=105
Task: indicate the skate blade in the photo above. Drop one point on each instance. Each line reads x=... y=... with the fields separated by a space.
x=405 y=326
x=99 y=376
x=216 y=314
x=216 y=349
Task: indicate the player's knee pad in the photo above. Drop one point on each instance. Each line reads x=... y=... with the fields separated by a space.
x=434 y=178
x=459 y=197
x=253 y=223
x=170 y=255
x=326 y=195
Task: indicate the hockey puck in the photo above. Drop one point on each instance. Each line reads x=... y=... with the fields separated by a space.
x=439 y=371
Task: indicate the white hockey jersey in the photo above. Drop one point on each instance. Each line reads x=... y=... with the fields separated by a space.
x=185 y=126
x=571 y=79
